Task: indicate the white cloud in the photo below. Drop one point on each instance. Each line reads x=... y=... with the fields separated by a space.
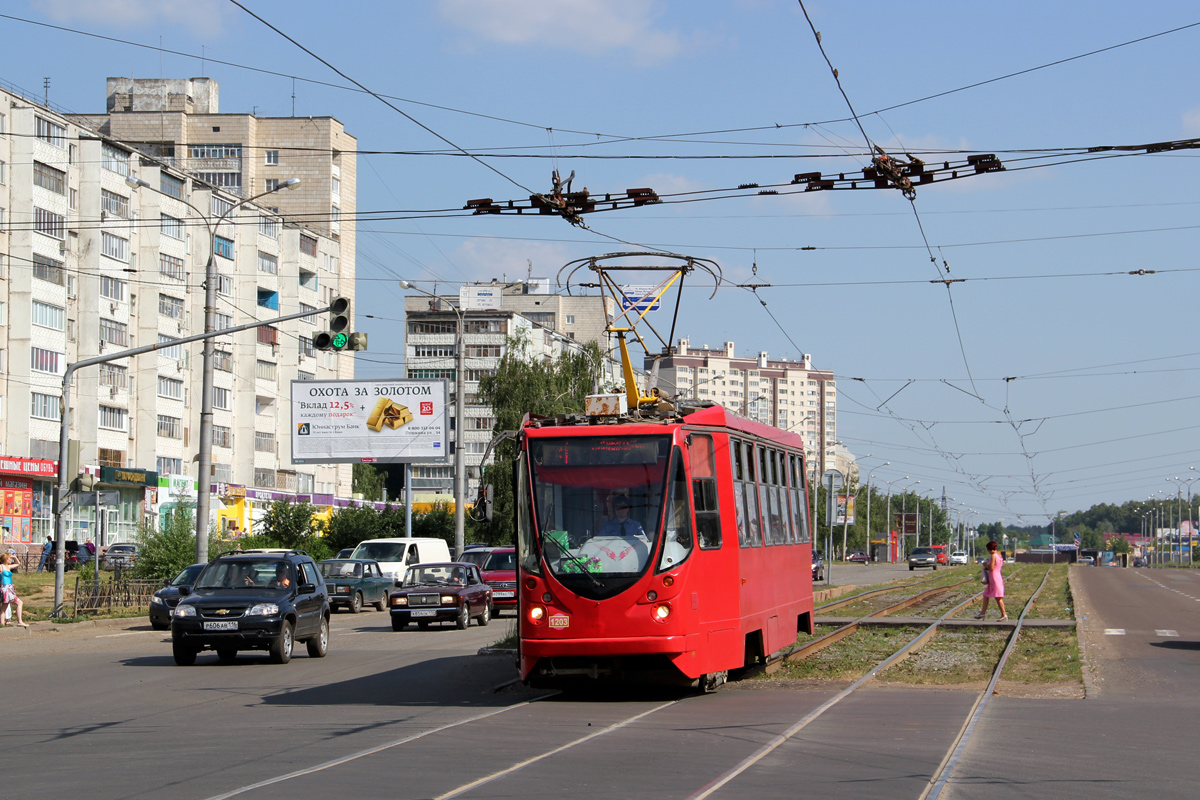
x=582 y=26
x=505 y=259
x=201 y=17
x=1191 y=122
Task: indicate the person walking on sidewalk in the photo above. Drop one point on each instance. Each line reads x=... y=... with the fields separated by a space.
x=46 y=548
x=8 y=595
x=994 y=581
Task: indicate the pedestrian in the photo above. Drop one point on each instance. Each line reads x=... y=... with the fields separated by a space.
x=8 y=595
x=91 y=548
x=994 y=581
x=46 y=548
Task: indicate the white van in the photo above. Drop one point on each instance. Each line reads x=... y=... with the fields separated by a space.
x=397 y=555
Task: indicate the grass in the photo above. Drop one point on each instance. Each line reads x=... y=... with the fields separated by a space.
x=875 y=602
x=1044 y=655
x=1055 y=601
x=850 y=658
x=509 y=640
x=1019 y=585
x=36 y=590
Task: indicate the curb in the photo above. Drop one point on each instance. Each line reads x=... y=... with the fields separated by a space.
x=48 y=626
x=1083 y=612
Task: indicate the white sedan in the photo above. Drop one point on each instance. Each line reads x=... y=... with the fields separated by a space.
x=959 y=558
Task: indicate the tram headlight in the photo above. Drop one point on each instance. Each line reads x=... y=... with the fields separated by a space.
x=537 y=614
x=651 y=595
x=661 y=612
x=668 y=581
x=547 y=597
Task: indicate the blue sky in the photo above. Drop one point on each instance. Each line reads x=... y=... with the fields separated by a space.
x=675 y=96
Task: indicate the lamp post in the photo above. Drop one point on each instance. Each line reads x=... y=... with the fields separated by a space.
x=204 y=488
x=459 y=401
x=929 y=494
x=869 y=474
x=904 y=513
x=1191 y=523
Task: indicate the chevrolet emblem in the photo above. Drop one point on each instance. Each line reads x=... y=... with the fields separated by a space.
x=221 y=611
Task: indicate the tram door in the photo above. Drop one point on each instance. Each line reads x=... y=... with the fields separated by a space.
x=714 y=570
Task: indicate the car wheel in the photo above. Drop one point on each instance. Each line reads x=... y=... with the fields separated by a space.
x=227 y=653
x=381 y=603
x=281 y=647
x=318 y=646
x=398 y=625
x=495 y=612
x=424 y=626
x=910 y=567
x=463 y=619
x=356 y=603
x=935 y=567
x=486 y=616
x=184 y=656
x=160 y=626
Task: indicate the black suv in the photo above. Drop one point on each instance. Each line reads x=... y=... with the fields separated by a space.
x=253 y=601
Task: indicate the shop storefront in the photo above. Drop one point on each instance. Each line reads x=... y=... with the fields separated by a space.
x=26 y=508
x=137 y=489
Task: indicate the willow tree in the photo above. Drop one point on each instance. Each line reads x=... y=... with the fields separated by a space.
x=525 y=383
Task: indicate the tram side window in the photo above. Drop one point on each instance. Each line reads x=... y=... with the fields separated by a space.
x=677 y=542
x=785 y=515
x=752 y=498
x=736 y=458
x=526 y=549
x=799 y=501
x=778 y=502
x=767 y=501
x=704 y=491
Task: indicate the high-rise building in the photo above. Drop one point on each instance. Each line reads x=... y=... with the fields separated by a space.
x=494 y=314
x=792 y=395
x=92 y=264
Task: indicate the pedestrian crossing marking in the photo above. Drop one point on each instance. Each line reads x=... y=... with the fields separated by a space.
x=1114 y=631
x=1166 y=633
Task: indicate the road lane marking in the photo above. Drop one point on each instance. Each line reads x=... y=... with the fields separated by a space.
x=127 y=633
x=369 y=751
x=500 y=774
x=1166 y=633
x=1114 y=631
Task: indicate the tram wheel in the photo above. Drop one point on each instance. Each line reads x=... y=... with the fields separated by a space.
x=710 y=681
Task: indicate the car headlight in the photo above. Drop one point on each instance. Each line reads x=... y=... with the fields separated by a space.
x=263 y=610
x=183 y=610
x=342 y=589
x=399 y=601
x=155 y=600
x=449 y=600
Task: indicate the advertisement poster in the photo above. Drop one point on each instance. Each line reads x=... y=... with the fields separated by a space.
x=844 y=502
x=16 y=508
x=368 y=421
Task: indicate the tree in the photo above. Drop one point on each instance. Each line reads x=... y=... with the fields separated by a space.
x=369 y=481
x=524 y=384
x=164 y=552
x=292 y=525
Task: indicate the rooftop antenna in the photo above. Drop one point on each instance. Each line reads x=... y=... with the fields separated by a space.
x=529 y=274
x=46 y=89
x=293 y=97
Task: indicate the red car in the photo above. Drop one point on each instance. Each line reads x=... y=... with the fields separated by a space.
x=859 y=557
x=442 y=592
x=500 y=572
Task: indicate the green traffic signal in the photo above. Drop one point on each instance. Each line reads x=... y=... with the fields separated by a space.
x=339 y=340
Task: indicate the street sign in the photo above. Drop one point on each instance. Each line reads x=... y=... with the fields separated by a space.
x=640 y=298
x=832 y=480
x=100 y=498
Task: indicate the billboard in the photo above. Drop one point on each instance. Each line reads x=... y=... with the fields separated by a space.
x=845 y=506
x=907 y=523
x=368 y=421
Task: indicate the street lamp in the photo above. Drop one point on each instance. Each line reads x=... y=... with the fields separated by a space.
x=904 y=512
x=204 y=489
x=460 y=399
x=869 y=474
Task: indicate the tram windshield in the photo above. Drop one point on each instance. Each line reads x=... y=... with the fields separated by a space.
x=597 y=505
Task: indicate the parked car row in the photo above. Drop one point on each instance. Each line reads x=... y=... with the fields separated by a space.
x=272 y=599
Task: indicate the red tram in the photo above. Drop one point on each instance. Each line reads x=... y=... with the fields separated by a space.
x=675 y=548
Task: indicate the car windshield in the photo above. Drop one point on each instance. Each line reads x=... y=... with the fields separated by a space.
x=476 y=556
x=597 y=503
x=922 y=551
x=244 y=573
x=332 y=570
x=188 y=576
x=501 y=560
x=436 y=575
x=380 y=551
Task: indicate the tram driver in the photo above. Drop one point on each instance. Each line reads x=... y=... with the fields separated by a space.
x=621 y=525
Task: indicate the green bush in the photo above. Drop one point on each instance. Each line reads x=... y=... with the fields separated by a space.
x=164 y=552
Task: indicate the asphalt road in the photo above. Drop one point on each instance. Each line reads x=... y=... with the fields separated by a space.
x=103 y=712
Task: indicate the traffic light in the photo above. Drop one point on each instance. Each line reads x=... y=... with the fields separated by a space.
x=338 y=336
x=358 y=341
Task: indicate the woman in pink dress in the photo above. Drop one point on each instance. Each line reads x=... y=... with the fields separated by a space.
x=994 y=581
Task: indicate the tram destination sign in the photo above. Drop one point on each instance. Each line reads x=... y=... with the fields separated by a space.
x=370 y=421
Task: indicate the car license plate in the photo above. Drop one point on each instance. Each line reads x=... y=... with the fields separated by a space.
x=502 y=595
x=424 y=612
x=230 y=625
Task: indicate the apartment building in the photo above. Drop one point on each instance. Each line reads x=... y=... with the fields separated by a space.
x=792 y=395
x=493 y=314
x=103 y=247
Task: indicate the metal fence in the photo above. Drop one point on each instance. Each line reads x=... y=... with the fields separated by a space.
x=92 y=596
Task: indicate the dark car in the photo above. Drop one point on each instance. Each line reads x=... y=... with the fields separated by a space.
x=859 y=558
x=165 y=599
x=922 y=557
x=354 y=583
x=120 y=556
x=345 y=552
x=75 y=554
x=447 y=592
x=818 y=565
x=1140 y=562
x=500 y=573
x=475 y=554
x=253 y=601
